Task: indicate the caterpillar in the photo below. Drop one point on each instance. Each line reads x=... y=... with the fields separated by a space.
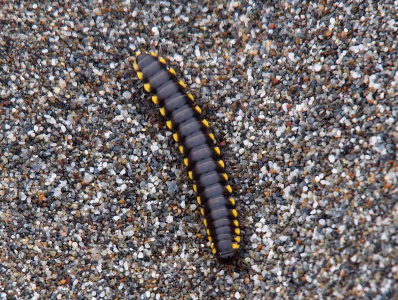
x=201 y=157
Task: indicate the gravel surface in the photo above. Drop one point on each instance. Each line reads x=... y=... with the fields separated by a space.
x=95 y=200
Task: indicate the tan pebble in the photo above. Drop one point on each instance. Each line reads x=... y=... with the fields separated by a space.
x=62 y=84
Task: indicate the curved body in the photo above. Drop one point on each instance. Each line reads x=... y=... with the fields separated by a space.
x=201 y=157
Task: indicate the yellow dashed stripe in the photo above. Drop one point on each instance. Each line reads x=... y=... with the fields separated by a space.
x=217 y=150
x=147 y=87
x=197 y=108
x=181 y=83
x=235 y=246
x=229 y=188
x=140 y=75
x=169 y=124
x=155 y=99
x=221 y=163
x=172 y=71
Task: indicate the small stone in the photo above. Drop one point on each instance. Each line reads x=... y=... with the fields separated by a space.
x=332 y=158
x=169 y=219
x=62 y=83
x=88 y=177
x=178 y=58
x=127 y=95
x=97 y=12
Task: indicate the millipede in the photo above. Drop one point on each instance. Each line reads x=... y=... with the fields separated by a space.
x=201 y=156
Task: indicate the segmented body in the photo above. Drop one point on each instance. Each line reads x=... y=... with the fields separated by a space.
x=200 y=155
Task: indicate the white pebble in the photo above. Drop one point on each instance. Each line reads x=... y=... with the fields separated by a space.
x=127 y=95
x=155 y=30
x=129 y=233
x=22 y=196
x=154 y=147
x=178 y=58
x=355 y=75
x=88 y=177
x=245 y=20
x=284 y=238
x=199 y=56
x=373 y=140
x=118 y=118
x=256 y=269
x=57 y=192
x=292 y=57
